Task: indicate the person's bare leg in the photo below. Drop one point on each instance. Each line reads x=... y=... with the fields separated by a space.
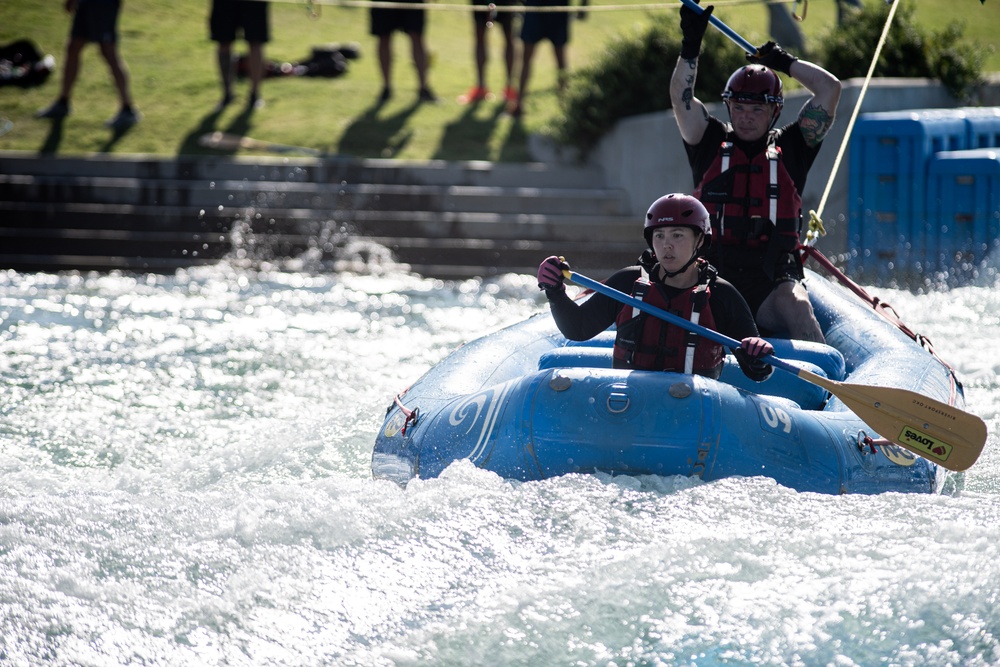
x=256 y=63
x=509 y=54
x=527 y=53
x=224 y=56
x=419 y=52
x=385 y=64
x=119 y=72
x=481 y=55
x=71 y=70
x=560 y=53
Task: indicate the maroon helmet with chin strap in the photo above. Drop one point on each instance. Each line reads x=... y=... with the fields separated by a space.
x=755 y=84
x=677 y=210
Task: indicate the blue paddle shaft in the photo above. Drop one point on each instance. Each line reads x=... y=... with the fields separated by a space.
x=688 y=325
x=723 y=28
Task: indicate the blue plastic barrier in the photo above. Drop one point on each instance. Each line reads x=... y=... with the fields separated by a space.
x=983 y=125
x=887 y=186
x=963 y=205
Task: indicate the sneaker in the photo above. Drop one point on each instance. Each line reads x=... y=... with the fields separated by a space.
x=254 y=102
x=385 y=96
x=55 y=111
x=125 y=119
x=475 y=94
x=427 y=95
x=510 y=95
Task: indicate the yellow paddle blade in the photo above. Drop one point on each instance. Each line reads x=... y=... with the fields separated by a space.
x=939 y=432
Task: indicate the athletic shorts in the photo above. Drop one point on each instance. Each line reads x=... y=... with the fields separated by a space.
x=230 y=16
x=505 y=19
x=96 y=21
x=553 y=26
x=384 y=20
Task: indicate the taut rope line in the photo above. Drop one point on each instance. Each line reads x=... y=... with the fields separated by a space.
x=815 y=217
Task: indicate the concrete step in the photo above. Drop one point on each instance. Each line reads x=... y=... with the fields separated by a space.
x=302 y=170
x=449 y=220
x=318 y=196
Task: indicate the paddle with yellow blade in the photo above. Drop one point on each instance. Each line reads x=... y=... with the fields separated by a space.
x=936 y=431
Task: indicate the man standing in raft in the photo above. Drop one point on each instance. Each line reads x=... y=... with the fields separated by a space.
x=750 y=175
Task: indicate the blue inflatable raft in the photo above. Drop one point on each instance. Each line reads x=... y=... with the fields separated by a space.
x=527 y=404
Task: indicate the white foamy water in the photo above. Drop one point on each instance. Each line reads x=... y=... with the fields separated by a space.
x=185 y=480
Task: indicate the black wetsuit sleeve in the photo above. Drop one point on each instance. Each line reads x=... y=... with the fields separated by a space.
x=731 y=312
x=732 y=318
x=582 y=320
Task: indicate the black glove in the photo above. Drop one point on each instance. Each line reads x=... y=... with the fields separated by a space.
x=752 y=367
x=788 y=267
x=781 y=263
x=693 y=26
x=773 y=56
x=550 y=274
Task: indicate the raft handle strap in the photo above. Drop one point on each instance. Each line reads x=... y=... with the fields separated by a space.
x=411 y=415
x=866 y=442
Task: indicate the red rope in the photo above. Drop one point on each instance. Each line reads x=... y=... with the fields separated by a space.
x=885 y=310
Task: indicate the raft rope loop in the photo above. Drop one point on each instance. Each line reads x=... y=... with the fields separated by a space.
x=866 y=442
x=411 y=415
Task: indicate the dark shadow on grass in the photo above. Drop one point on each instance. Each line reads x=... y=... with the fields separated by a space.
x=467 y=138
x=515 y=145
x=194 y=141
x=189 y=144
x=371 y=136
x=53 y=139
x=116 y=135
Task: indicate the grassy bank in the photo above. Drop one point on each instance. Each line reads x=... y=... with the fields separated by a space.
x=175 y=83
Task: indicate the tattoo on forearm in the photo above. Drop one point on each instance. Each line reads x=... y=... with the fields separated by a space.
x=688 y=93
x=815 y=122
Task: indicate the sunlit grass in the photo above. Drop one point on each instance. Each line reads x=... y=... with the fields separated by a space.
x=175 y=83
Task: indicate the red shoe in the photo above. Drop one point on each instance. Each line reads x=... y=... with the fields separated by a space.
x=475 y=94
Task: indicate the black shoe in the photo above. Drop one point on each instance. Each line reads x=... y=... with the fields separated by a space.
x=385 y=96
x=427 y=95
x=125 y=119
x=55 y=111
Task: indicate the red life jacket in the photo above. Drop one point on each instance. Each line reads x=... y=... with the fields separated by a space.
x=750 y=199
x=645 y=342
